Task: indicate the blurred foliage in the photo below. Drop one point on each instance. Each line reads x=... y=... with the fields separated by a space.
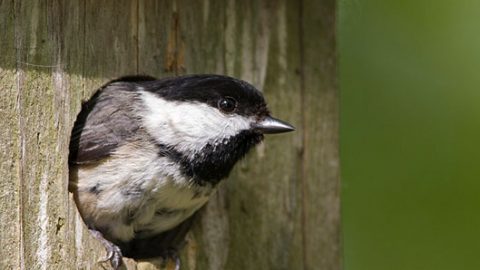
x=410 y=134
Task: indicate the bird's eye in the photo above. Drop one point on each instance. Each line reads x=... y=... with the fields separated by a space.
x=227 y=104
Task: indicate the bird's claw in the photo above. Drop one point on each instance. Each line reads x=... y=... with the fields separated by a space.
x=114 y=254
x=171 y=254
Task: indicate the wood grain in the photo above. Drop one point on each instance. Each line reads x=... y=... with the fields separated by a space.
x=280 y=207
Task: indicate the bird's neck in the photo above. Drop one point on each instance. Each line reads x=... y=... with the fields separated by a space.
x=215 y=160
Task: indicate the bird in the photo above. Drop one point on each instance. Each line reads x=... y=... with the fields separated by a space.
x=146 y=154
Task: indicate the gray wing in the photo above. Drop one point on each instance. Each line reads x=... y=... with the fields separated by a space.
x=106 y=121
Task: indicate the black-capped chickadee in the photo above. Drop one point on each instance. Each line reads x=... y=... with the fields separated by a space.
x=146 y=154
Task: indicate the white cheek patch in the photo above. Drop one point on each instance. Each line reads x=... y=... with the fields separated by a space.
x=188 y=126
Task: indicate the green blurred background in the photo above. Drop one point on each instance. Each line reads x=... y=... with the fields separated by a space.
x=410 y=134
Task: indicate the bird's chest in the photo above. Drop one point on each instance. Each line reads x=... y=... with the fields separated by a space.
x=167 y=206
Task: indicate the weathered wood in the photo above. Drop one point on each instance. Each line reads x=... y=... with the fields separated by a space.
x=320 y=165
x=280 y=207
x=10 y=192
x=263 y=193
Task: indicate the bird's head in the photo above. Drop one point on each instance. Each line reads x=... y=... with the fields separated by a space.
x=207 y=119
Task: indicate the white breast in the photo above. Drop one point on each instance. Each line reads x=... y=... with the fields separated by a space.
x=136 y=194
x=169 y=206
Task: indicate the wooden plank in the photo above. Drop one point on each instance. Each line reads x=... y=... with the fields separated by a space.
x=321 y=185
x=39 y=165
x=264 y=213
x=47 y=42
x=157 y=38
x=201 y=39
x=10 y=257
x=45 y=120
x=43 y=124
x=110 y=44
x=82 y=250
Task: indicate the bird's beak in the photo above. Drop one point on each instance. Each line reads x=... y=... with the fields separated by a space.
x=270 y=125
